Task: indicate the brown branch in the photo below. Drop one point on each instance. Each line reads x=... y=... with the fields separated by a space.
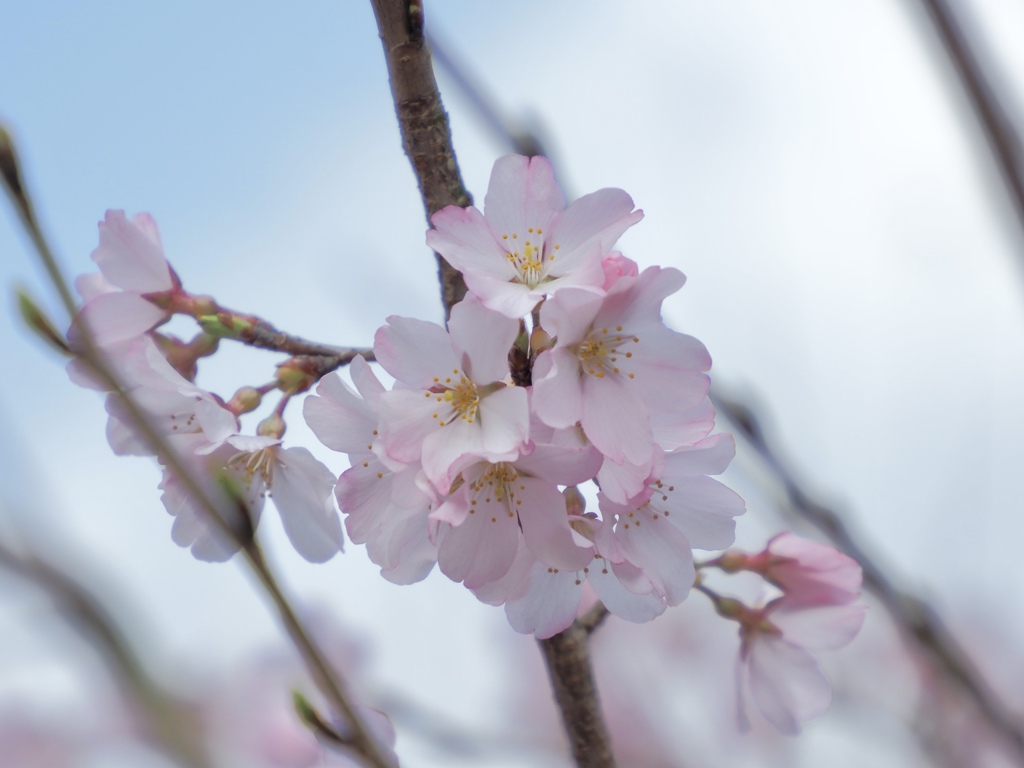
x=915 y=618
x=572 y=680
x=1003 y=138
x=423 y=122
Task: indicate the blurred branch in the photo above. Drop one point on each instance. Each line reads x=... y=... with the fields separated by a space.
x=426 y=136
x=167 y=716
x=918 y=621
x=519 y=138
x=326 y=679
x=1003 y=137
x=567 y=656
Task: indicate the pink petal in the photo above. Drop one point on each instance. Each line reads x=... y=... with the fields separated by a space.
x=484 y=337
x=546 y=531
x=480 y=550
x=462 y=236
x=339 y=418
x=415 y=351
x=616 y=420
x=130 y=255
x=624 y=603
x=786 y=683
x=557 y=389
x=522 y=193
x=115 y=317
x=663 y=553
x=822 y=628
x=504 y=420
x=302 y=489
x=702 y=508
x=592 y=224
x=549 y=605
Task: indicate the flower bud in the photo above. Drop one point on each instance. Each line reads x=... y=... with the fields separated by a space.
x=272 y=426
x=575 y=504
x=246 y=399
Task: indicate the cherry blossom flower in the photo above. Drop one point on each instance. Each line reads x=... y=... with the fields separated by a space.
x=175 y=405
x=527 y=244
x=301 y=487
x=680 y=508
x=455 y=405
x=807 y=572
x=613 y=359
x=384 y=505
x=494 y=502
x=122 y=302
x=776 y=667
x=543 y=600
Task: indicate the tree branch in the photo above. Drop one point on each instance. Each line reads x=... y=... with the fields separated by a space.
x=426 y=136
x=572 y=680
x=1003 y=137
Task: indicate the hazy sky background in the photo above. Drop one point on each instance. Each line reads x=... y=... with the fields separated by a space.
x=853 y=267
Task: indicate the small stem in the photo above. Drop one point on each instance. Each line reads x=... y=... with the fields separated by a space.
x=572 y=680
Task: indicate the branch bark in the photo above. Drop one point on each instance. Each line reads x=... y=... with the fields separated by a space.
x=426 y=136
x=572 y=680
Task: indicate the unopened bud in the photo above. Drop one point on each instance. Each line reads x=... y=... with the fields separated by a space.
x=575 y=504
x=246 y=399
x=294 y=375
x=540 y=340
x=40 y=323
x=733 y=561
x=272 y=426
x=11 y=173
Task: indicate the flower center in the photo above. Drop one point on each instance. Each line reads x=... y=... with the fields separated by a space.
x=498 y=485
x=457 y=399
x=602 y=352
x=530 y=255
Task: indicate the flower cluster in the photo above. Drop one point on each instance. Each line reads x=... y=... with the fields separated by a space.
x=555 y=371
x=136 y=292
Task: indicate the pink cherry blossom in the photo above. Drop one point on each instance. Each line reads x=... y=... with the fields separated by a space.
x=175 y=405
x=133 y=269
x=807 y=572
x=680 y=508
x=383 y=503
x=613 y=360
x=192 y=525
x=615 y=265
x=496 y=501
x=456 y=406
x=542 y=600
x=302 y=490
x=527 y=244
x=776 y=668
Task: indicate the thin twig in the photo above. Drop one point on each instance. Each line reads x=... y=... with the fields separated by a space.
x=1003 y=137
x=911 y=614
x=326 y=679
x=572 y=680
x=423 y=122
